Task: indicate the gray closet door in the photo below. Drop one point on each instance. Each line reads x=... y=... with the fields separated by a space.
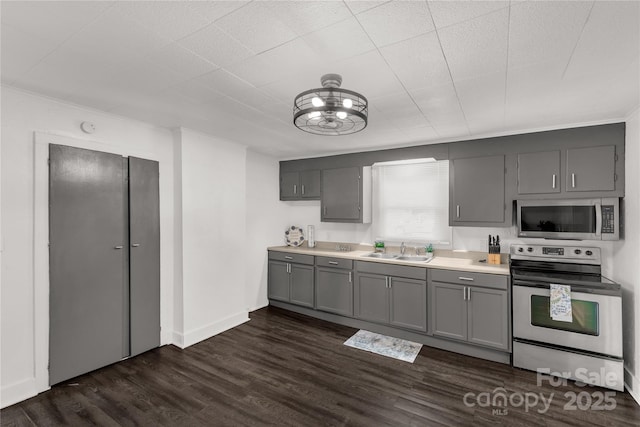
x=144 y=254
x=87 y=257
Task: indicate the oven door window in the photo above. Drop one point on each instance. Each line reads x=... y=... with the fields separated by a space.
x=585 y=316
x=559 y=219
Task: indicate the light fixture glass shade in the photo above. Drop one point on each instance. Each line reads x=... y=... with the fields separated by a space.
x=330 y=110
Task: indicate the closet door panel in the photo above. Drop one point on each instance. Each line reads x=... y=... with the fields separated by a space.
x=144 y=233
x=87 y=230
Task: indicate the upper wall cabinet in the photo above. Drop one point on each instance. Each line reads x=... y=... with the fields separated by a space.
x=303 y=185
x=586 y=169
x=346 y=195
x=591 y=169
x=477 y=192
x=539 y=173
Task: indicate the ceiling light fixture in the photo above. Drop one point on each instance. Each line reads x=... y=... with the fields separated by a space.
x=330 y=110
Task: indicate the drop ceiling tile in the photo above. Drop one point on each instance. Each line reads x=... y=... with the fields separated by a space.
x=197 y=93
x=142 y=77
x=610 y=41
x=214 y=10
x=172 y=19
x=478 y=46
x=21 y=52
x=303 y=17
x=441 y=107
x=257 y=27
x=483 y=98
x=339 y=41
x=181 y=60
x=224 y=51
x=285 y=90
x=359 y=6
x=447 y=13
x=368 y=74
x=545 y=31
x=396 y=21
x=290 y=59
x=418 y=62
x=113 y=39
x=419 y=134
x=243 y=92
x=54 y=21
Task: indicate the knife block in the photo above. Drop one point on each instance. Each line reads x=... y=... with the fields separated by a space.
x=493 y=259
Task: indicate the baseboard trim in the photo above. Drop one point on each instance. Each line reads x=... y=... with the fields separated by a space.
x=266 y=304
x=632 y=384
x=200 y=334
x=17 y=392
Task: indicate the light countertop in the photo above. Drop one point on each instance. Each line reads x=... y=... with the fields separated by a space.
x=446 y=260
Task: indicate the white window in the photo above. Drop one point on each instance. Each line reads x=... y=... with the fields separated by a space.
x=411 y=202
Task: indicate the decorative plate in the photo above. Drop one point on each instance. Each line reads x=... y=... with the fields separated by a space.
x=294 y=236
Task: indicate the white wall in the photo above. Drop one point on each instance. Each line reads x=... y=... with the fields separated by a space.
x=213 y=212
x=626 y=257
x=24 y=331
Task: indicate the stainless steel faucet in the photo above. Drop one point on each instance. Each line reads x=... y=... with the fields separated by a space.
x=402 y=248
x=417 y=250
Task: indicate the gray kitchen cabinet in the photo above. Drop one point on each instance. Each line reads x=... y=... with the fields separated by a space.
x=346 y=195
x=449 y=311
x=539 y=173
x=334 y=286
x=372 y=298
x=304 y=185
x=470 y=307
x=278 y=281
x=477 y=191
x=291 y=281
x=390 y=299
x=591 y=169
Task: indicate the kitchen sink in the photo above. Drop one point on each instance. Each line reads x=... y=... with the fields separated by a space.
x=416 y=258
x=380 y=256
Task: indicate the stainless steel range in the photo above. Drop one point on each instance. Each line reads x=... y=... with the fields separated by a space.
x=585 y=343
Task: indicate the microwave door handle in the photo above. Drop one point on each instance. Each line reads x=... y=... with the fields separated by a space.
x=598 y=220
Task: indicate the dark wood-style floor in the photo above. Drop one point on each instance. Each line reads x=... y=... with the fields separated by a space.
x=283 y=369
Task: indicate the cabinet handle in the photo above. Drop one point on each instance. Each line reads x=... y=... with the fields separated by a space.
x=295 y=189
x=118 y=247
x=554 y=181
x=288 y=268
x=468 y=279
x=573 y=180
x=288 y=257
x=135 y=245
x=468 y=294
x=390 y=283
x=303 y=189
x=333 y=262
x=350 y=278
x=457 y=211
x=464 y=293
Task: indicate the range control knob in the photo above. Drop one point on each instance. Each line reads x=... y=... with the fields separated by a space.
x=520 y=249
x=529 y=249
x=589 y=253
x=577 y=251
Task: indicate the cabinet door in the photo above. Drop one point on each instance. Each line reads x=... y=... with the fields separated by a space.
x=488 y=318
x=477 y=190
x=341 y=194
x=278 y=282
x=591 y=169
x=408 y=301
x=539 y=173
x=289 y=186
x=310 y=184
x=449 y=311
x=301 y=287
x=372 y=298
x=334 y=291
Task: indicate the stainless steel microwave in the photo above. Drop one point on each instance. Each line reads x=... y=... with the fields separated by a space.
x=577 y=219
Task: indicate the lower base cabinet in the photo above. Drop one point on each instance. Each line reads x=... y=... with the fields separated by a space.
x=334 y=285
x=390 y=299
x=476 y=311
x=291 y=281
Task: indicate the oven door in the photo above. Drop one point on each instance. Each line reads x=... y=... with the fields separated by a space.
x=596 y=325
